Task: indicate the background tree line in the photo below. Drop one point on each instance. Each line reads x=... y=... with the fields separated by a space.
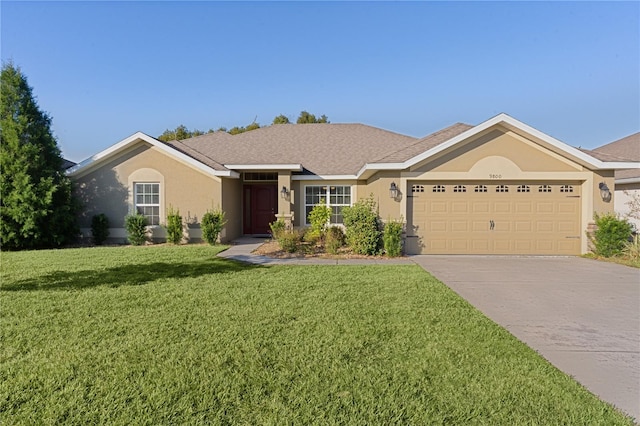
x=182 y=132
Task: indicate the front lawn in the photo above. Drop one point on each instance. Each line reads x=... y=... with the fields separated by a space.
x=174 y=335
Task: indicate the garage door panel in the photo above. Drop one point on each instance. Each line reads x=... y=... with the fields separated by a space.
x=459 y=226
x=438 y=207
x=523 y=226
x=481 y=207
x=502 y=207
x=545 y=220
x=460 y=207
x=544 y=226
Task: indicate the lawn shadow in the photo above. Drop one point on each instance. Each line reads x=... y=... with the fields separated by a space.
x=131 y=275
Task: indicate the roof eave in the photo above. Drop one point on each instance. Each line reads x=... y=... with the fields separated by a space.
x=289 y=167
x=89 y=163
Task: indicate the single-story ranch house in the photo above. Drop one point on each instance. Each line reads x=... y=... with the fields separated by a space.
x=500 y=187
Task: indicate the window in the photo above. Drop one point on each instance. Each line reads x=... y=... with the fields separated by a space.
x=566 y=188
x=438 y=188
x=336 y=197
x=459 y=188
x=480 y=188
x=544 y=188
x=147 y=197
x=260 y=176
x=502 y=188
x=417 y=188
x=524 y=188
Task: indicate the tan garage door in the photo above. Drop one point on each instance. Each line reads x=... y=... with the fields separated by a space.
x=494 y=218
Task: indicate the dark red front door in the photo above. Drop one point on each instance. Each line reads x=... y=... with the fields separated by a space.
x=260 y=204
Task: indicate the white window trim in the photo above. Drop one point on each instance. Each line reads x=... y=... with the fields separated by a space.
x=136 y=205
x=327 y=199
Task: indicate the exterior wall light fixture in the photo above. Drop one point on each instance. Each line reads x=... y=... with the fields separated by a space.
x=605 y=192
x=284 y=194
x=393 y=190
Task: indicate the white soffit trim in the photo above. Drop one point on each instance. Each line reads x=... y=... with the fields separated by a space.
x=292 y=167
x=628 y=180
x=139 y=136
x=324 y=177
x=512 y=124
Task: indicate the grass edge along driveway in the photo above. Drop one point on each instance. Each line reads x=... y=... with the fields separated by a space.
x=165 y=335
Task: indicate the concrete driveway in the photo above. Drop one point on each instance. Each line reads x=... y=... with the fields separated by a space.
x=580 y=314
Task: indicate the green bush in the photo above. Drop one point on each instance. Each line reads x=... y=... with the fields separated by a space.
x=136 y=227
x=289 y=241
x=334 y=240
x=99 y=228
x=363 y=231
x=319 y=219
x=277 y=228
x=174 y=226
x=611 y=235
x=212 y=223
x=632 y=249
x=392 y=238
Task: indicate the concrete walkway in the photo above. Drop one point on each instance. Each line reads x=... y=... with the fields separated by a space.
x=582 y=315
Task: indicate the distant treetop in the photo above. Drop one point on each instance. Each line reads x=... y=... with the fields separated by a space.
x=182 y=132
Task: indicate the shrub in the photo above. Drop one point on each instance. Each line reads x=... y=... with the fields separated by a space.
x=392 y=238
x=277 y=228
x=631 y=249
x=99 y=228
x=289 y=241
x=334 y=239
x=610 y=236
x=174 y=226
x=212 y=223
x=319 y=218
x=361 y=221
x=136 y=227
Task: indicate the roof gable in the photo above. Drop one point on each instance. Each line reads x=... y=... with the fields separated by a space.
x=173 y=149
x=510 y=123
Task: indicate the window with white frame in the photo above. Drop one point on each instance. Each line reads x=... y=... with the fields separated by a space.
x=334 y=196
x=147 y=201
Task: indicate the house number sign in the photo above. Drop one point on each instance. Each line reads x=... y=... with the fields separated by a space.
x=495 y=176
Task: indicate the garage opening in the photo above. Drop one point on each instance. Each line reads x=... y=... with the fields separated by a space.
x=489 y=217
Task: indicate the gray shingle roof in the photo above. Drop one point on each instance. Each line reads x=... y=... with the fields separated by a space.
x=425 y=144
x=185 y=149
x=625 y=149
x=322 y=149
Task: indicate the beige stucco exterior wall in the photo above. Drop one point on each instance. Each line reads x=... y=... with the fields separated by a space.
x=109 y=189
x=378 y=185
x=624 y=194
x=524 y=154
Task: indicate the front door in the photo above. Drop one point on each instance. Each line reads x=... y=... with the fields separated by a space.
x=260 y=204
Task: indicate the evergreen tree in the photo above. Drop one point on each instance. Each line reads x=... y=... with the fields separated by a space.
x=37 y=209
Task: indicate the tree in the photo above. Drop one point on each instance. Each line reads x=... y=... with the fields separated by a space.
x=306 y=118
x=37 y=208
x=281 y=119
x=179 y=133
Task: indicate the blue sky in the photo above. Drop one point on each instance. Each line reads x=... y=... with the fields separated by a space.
x=104 y=70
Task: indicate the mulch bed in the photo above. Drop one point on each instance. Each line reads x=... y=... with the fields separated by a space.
x=307 y=250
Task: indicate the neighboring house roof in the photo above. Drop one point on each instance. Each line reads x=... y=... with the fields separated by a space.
x=67 y=164
x=322 y=149
x=627 y=148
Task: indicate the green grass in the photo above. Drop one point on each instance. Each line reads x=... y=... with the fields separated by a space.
x=174 y=335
